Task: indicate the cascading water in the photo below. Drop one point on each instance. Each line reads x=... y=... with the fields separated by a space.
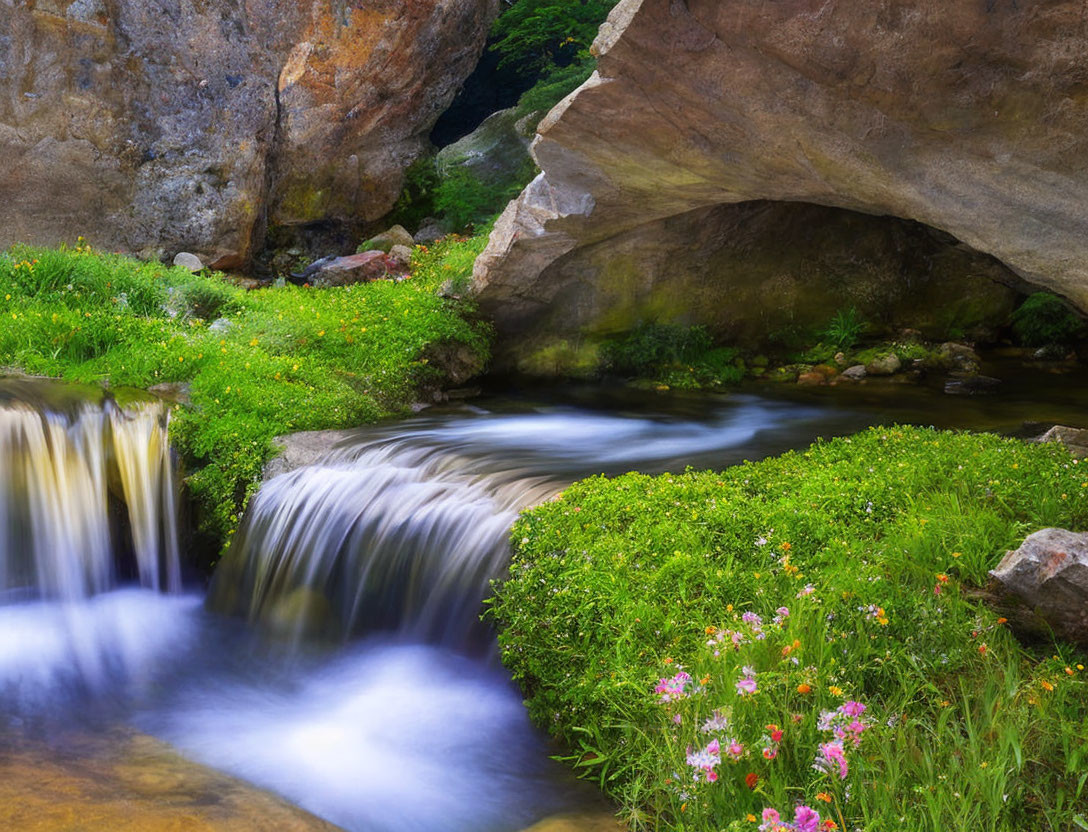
x=59 y=469
x=87 y=502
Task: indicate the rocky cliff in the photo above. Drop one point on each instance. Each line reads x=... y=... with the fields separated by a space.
x=190 y=124
x=968 y=117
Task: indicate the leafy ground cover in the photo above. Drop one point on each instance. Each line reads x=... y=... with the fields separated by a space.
x=793 y=644
x=258 y=363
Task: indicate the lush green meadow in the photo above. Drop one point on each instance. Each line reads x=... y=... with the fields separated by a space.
x=747 y=649
x=258 y=363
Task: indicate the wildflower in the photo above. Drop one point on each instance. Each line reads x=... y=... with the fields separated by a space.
x=830 y=824
x=761 y=541
x=806 y=819
x=751 y=780
x=831 y=756
x=807 y=590
x=852 y=708
x=717 y=722
x=706 y=758
x=824 y=796
x=834 y=690
x=747 y=686
x=783 y=612
x=776 y=733
x=674 y=688
x=1046 y=685
x=804 y=689
x=942 y=578
x=748 y=670
x=982 y=648
x=751 y=818
x=1002 y=620
x=676 y=719
x=751 y=618
x=771 y=820
x=734 y=749
x=770 y=752
x=786 y=546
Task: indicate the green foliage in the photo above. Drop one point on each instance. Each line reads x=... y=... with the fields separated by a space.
x=555 y=85
x=417 y=197
x=845 y=328
x=873 y=544
x=1045 y=319
x=466 y=201
x=291 y=358
x=533 y=35
x=677 y=356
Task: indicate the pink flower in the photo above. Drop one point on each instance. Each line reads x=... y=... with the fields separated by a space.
x=852 y=708
x=832 y=755
x=770 y=752
x=783 y=612
x=806 y=819
x=747 y=686
x=711 y=776
x=771 y=819
x=751 y=618
x=807 y=590
x=734 y=749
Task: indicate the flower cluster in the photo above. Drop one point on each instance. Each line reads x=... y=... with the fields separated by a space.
x=675 y=687
x=805 y=819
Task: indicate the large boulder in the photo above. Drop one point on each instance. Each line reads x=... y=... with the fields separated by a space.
x=495 y=152
x=185 y=125
x=970 y=118
x=1049 y=574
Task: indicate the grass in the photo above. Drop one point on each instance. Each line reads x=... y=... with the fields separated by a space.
x=858 y=556
x=281 y=360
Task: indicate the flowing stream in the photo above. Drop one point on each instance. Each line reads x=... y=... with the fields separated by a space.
x=338 y=659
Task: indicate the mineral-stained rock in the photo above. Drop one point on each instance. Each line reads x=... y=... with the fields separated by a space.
x=1049 y=573
x=189 y=124
x=969 y=117
x=355 y=268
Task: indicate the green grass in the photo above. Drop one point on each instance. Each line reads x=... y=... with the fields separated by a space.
x=621 y=583
x=291 y=358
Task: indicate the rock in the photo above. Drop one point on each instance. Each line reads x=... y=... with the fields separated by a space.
x=959 y=356
x=303 y=448
x=1075 y=439
x=456 y=361
x=884 y=365
x=188 y=125
x=354 y=268
x=1051 y=352
x=430 y=230
x=584 y=822
x=401 y=256
x=396 y=236
x=451 y=290
x=876 y=108
x=854 y=373
x=826 y=370
x=188 y=261
x=1049 y=573
x=495 y=152
x=177 y=392
x=840 y=359
x=970 y=384
x=811 y=379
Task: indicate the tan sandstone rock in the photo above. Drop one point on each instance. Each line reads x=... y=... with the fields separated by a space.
x=186 y=125
x=971 y=118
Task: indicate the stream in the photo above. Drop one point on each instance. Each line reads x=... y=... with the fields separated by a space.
x=338 y=659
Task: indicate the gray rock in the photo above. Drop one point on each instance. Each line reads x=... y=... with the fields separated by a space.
x=345 y=271
x=855 y=373
x=188 y=261
x=396 y=236
x=401 y=255
x=885 y=365
x=430 y=230
x=1049 y=573
x=1075 y=439
x=494 y=152
x=1051 y=352
x=304 y=448
x=959 y=357
x=970 y=384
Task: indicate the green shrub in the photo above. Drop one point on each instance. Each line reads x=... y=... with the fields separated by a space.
x=466 y=201
x=1045 y=319
x=291 y=359
x=652 y=346
x=859 y=556
x=417 y=197
x=534 y=35
x=845 y=328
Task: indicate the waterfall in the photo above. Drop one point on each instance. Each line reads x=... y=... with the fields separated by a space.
x=394 y=535
x=60 y=467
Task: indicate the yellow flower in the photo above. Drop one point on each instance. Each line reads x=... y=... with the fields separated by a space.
x=834 y=690
x=1046 y=685
x=751 y=818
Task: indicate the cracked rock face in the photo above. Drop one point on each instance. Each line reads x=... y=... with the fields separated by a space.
x=167 y=125
x=969 y=117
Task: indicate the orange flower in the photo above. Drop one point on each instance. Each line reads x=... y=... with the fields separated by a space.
x=711 y=630
x=1069 y=671
x=1002 y=621
x=751 y=818
x=668 y=661
x=982 y=648
x=786 y=546
x=803 y=688
x=751 y=780
x=830 y=824
x=942 y=578
x=824 y=796
x=1046 y=685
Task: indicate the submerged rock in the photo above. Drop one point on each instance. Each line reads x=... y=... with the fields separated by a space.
x=1049 y=574
x=970 y=384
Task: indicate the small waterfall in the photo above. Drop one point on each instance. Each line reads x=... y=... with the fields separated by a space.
x=60 y=467
x=395 y=535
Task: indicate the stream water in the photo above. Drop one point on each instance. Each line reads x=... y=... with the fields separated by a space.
x=338 y=659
